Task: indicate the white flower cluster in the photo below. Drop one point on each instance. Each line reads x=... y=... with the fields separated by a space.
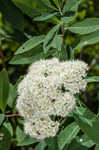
x=41 y=127
x=48 y=89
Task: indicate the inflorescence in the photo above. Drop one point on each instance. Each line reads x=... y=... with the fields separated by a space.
x=48 y=89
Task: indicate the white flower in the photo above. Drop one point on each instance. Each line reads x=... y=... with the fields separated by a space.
x=48 y=101
x=48 y=89
x=41 y=127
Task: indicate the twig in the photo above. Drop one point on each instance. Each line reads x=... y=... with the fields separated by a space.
x=93 y=62
x=63 y=33
x=12 y=115
x=82 y=53
x=2 y=57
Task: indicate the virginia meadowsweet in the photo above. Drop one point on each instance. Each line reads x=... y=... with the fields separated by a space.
x=48 y=89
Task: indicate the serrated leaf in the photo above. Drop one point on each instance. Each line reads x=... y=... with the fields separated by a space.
x=11 y=12
x=92 y=79
x=49 y=37
x=45 y=16
x=88 y=40
x=86 y=26
x=1 y=118
x=23 y=139
x=31 y=43
x=91 y=131
x=4 y=89
x=67 y=135
x=41 y=146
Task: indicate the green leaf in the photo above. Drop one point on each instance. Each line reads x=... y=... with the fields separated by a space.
x=88 y=40
x=5 y=140
x=45 y=16
x=77 y=146
x=31 y=8
x=1 y=118
x=9 y=127
x=4 y=89
x=63 y=55
x=52 y=143
x=12 y=14
x=92 y=79
x=71 y=5
x=23 y=139
x=71 y=53
x=66 y=20
x=86 y=26
x=57 y=42
x=18 y=36
x=41 y=146
x=97 y=147
x=49 y=37
x=92 y=129
x=26 y=7
x=12 y=96
x=67 y=135
x=57 y=3
x=20 y=59
x=48 y=4
x=31 y=43
x=85 y=141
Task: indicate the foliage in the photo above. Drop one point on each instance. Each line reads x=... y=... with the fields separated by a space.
x=38 y=29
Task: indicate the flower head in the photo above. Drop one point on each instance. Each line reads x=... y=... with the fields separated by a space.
x=41 y=127
x=48 y=89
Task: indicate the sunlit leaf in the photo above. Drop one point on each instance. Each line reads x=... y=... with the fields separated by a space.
x=31 y=43
x=86 y=26
x=88 y=40
x=45 y=16
x=49 y=37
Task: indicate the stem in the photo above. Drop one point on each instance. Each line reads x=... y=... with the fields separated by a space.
x=93 y=62
x=12 y=115
x=2 y=57
x=60 y=11
x=63 y=32
x=82 y=53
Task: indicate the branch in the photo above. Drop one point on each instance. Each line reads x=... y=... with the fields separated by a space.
x=12 y=115
x=2 y=57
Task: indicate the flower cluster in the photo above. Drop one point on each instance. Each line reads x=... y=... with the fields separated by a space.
x=48 y=89
x=41 y=127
